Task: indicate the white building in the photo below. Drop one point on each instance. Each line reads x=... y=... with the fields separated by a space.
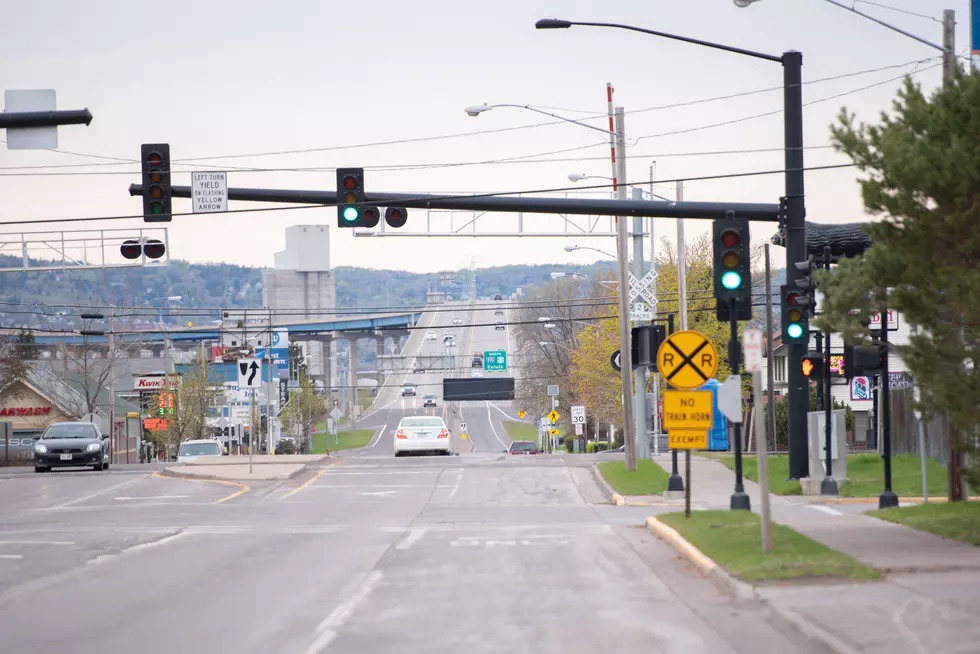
x=858 y=392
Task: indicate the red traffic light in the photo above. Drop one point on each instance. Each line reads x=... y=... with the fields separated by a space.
x=396 y=216
x=155 y=158
x=730 y=238
x=370 y=217
x=154 y=249
x=350 y=182
x=793 y=298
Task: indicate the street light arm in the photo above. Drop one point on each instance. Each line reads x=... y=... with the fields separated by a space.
x=891 y=27
x=548 y=113
x=718 y=46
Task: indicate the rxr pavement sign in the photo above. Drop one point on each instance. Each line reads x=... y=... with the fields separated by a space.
x=687 y=418
x=687 y=359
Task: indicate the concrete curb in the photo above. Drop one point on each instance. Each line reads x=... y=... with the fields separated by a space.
x=167 y=472
x=742 y=590
x=874 y=500
x=607 y=490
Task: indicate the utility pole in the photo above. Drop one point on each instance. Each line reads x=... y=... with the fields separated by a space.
x=949 y=47
x=676 y=482
x=640 y=414
x=625 y=357
x=112 y=390
x=655 y=409
x=828 y=486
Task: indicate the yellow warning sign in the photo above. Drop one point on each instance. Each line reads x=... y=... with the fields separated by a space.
x=521 y=414
x=463 y=436
x=687 y=439
x=554 y=432
x=687 y=410
x=687 y=359
x=553 y=416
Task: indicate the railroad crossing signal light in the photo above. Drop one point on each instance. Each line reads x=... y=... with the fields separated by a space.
x=134 y=248
x=351 y=210
x=732 y=271
x=794 y=306
x=155 y=161
x=813 y=367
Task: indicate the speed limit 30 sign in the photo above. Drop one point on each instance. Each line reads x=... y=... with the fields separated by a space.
x=578 y=415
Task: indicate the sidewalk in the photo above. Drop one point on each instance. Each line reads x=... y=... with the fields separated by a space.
x=929 y=599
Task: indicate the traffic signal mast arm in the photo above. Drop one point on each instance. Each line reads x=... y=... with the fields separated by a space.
x=581 y=206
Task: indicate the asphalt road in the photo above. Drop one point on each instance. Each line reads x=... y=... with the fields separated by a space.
x=481 y=552
x=473 y=553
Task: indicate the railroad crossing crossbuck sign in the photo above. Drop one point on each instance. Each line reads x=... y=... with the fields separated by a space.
x=643 y=288
x=687 y=359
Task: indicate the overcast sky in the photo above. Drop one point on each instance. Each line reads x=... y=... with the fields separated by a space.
x=221 y=78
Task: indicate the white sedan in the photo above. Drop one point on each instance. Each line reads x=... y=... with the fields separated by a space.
x=422 y=434
x=430 y=336
x=457 y=321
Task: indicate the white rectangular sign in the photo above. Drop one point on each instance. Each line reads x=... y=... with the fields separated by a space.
x=578 y=415
x=876 y=320
x=752 y=345
x=155 y=382
x=209 y=192
x=249 y=373
x=640 y=312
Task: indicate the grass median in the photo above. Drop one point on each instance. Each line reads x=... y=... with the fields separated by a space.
x=957 y=520
x=779 y=484
x=346 y=440
x=520 y=431
x=649 y=478
x=734 y=540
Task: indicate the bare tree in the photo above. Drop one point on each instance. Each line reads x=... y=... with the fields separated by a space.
x=90 y=368
x=304 y=409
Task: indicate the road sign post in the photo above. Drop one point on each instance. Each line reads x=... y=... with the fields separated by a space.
x=209 y=192
x=250 y=377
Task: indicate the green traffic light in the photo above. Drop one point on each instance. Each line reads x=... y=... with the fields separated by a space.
x=794 y=330
x=350 y=214
x=731 y=280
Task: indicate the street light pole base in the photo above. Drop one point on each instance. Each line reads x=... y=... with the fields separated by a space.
x=828 y=486
x=887 y=500
x=675 y=483
x=740 y=501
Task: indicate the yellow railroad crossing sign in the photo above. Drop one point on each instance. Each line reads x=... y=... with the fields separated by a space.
x=553 y=416
x=687 y=410
x=687 y=359
x=687 y=439
x=521 y=414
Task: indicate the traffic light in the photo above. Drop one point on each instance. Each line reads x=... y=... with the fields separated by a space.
x=862 y=360
x=794 y=306
x=644 y=343
x=133 y=248
x=805 y=281
x=396 y=216
x=351 y=211
x=732 y=272
x=813 y=366
x=155 y=158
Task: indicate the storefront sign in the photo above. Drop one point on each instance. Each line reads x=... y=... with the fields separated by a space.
x=25 y=411
x=154 y=382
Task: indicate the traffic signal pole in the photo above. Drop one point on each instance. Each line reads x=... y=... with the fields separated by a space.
x=626 y=363
x=739 y=500
x=799 y=397
x=828 y=486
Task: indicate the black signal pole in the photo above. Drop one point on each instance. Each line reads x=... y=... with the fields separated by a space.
x=674 y=482
x=740 y=501
x=828 y=485
x=19 y=119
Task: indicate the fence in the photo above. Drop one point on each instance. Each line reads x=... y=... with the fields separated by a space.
x=905 y=428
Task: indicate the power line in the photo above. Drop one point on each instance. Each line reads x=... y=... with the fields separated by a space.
x=438 y=198
x=197 y=160
x=897 y=9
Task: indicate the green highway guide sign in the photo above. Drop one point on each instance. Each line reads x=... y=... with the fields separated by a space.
x=495 y=360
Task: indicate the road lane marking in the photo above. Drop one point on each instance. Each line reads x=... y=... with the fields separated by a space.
x=151 y=497
x=304 y=484
x=391 y=473
x=11 y=557
x=377 y=439
x=490 y=420
x=825 y=509
x=327 y=630
x=459 y=480
x=85 y=498
x=37 y=542
x=412 y=538
x=242 y=488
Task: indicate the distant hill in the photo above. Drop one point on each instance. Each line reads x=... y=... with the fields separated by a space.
x=226 y=286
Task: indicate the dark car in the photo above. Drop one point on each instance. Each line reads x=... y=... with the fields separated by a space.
x=477 y=362
x=419 y=370
x=522 y=447
x=71 y=444
x=499 y=325
x=498 y=296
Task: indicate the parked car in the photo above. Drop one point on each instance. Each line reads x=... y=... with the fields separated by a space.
x=71 y=444
x=286 y=445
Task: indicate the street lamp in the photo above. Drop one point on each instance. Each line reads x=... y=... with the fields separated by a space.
x=630 y=378
x=792 y=63
x=575 y=248
x=559 y=275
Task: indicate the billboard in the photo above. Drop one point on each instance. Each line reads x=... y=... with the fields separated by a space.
x=480 y=388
